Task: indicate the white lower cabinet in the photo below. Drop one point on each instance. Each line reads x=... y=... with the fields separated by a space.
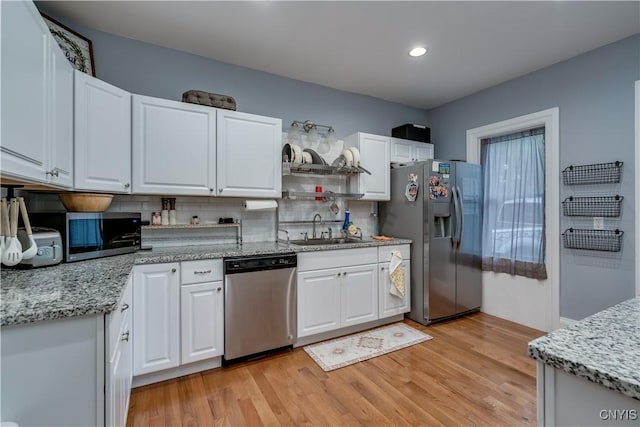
x=359 y=301
x=119 y=360
x=179 y=314
x=389 y=304
x=156 y=323
x=319 y=294
x=202 y=314
x=333 y=293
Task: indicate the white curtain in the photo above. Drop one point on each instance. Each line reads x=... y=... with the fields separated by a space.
x=513 y=224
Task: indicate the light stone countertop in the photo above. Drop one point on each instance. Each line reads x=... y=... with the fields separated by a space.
x=95 y=286
x=603 y=348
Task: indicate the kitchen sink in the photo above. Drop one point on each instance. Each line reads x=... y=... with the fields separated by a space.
x=319 y=242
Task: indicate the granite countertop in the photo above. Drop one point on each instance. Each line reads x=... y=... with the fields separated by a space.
x=94 y=286
x=603 y=348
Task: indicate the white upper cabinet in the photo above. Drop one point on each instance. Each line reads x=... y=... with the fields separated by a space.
x=406 y=151
x=37 y=93
x=102 y=113
x=375 y=157
x=249 y=162
x=61 y=168
x=174 y=147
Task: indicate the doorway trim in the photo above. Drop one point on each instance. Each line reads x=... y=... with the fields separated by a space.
x=637 y=186
x=550 y=119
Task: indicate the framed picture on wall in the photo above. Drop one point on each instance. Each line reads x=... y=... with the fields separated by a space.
x=75 y=47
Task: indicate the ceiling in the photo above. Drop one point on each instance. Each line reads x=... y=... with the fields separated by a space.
x=362 y=46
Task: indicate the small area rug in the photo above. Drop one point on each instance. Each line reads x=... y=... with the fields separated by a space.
x=340 y=352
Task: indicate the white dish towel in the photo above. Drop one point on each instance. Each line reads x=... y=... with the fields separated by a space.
x=396 y=275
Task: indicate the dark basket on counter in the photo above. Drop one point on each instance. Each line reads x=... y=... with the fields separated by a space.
x=600 y=173
x=593 y=240
x=599 y=206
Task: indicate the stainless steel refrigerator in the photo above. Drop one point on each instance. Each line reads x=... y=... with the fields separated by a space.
x=438 y=205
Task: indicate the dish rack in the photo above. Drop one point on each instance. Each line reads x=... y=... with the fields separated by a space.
x=598 y=206
x=317 y=169
x=599 y=173
x=593 y=240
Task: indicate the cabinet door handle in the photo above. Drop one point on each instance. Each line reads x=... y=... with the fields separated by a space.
x=202 y=272
x=124 y=307
x=173 y=270
x=53 y=172
x=125 y=336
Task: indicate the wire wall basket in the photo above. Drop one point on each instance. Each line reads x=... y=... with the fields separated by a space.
x=600 y=173
x=600 y=206
x=593 y=240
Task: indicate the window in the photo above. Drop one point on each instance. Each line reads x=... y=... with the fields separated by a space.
x=513 y=224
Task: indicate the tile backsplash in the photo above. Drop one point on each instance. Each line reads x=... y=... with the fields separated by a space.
x=257 y=226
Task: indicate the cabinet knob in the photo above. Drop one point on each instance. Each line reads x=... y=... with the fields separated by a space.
x=124 y=307
x=219 y=190
x=125 y=336
x=173 y=270
x=339 y=274
x=211 y=190
x=219 y=288
x=381 y=268
x=127 y=185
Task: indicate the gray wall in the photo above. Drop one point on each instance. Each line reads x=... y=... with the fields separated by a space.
x=594 y=92
x=147 y=69
x=595 y=96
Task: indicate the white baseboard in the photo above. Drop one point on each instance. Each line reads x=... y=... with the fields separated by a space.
x=565 y=321
x=180 y=371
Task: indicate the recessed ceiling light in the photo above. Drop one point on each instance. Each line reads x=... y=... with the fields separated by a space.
x=417 y=51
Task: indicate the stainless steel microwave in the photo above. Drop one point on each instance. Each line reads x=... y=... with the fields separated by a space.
x=92 y=235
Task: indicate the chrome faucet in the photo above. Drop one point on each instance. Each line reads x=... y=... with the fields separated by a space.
x=317 y=215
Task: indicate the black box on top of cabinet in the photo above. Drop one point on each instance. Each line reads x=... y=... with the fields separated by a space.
x=412 y=132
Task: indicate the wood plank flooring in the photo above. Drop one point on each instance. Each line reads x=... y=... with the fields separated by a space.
x=474 y=372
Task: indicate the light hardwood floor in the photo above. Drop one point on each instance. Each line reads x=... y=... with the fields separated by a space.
x=475 y=371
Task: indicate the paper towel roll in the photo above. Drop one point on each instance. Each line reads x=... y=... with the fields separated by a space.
x=260 y=205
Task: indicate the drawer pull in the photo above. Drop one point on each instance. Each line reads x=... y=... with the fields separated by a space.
x=125 y=336
x=202 y=272
x=124 y=307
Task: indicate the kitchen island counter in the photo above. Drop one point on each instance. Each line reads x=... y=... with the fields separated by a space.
x=603 y=348
x=95 y=286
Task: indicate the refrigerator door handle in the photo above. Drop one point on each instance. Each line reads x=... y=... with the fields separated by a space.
x=454 y=210
x=459 y=217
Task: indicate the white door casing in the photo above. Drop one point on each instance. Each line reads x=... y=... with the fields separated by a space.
x=520 y=299
x=637 y=186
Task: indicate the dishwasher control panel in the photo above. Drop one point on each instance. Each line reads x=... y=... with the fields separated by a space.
x=256 y=263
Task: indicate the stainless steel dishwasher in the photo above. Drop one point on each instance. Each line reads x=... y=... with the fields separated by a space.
x=260 y=311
